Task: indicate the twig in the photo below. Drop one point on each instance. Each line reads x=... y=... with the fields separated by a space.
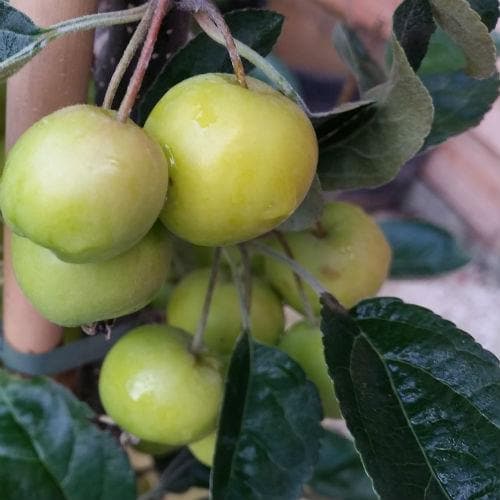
x=303 y=273
x=308 y=310
x=129 y=53
x=161 y=8
x=94 y=21
x=246 y=322
x=197 y=343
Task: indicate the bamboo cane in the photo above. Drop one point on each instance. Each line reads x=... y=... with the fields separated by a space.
x=57 y=77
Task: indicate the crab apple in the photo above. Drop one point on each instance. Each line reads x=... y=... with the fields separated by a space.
x=349 y=256
x=204 y=449
x=74 y=294
x=154 y=387
x=83 y=184
x=302 y=342
x=224 y=319
x=243 y=159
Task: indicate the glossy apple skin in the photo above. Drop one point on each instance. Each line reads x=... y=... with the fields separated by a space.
x=243 y=159
x=224 y=319
x=75 y=294
x=204 y=449
x=156 y=389
x=351 y=261
x=302 y=342
x=83 y=184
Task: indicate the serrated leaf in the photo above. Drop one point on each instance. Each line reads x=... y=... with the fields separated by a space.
x=269 y=428
x=413 y=26
x=420 y=397
x=464 y=26
x=351 y=49
x=309 y=211
x=488 y=10
x=460 y=101
x=421 y=249
x=339 y=472
x=50 y=450
x=258 y=29
x=402 y=121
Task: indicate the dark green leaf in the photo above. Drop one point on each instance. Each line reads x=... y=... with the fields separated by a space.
x=465 y=28
x=19 y=39
x=421 y=249
x=339 y=472
x=309 y=211
x=354 y=53
x=420 y=397
x=342 y=122
x=258 y=29
x=269 y=429
x=488 y=10
x=413 y=27
x=397 y=131
x=49 y=449
x=460 y=101
x=15 y=22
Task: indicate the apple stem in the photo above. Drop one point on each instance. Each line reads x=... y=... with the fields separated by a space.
x=129 y=53
x=243 y=50
x=319 y=230
x=308 y=310
x=247 y=278
x=243 y=286
x=212 y=22
x=197 y=343
x=297 y=268
x=160 y=10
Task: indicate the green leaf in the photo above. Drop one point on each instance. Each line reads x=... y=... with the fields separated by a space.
x=20 y=39
x=354 y=53
x=402 y=121
x=488 y=10
x=421 y=249
x=49 y=449
x=460 y=101
x=309 y=211
x=269 y=429
x=420 y=397
x=464 y=26
x=258 y=29
x=413 y=27
x=342 y=122
x=339 y=472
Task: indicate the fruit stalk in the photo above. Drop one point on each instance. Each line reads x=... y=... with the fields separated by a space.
x=294 y=266
x=213 y=23
x=129 y=53
x=161 y=9
x=243 y=293
x=247 y=276
x=256 y=59
x=197 y=344
x=308 y=310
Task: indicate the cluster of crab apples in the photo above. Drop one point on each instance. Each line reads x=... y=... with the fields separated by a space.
x=92 y=203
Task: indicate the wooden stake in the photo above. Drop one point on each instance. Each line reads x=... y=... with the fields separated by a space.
x=57 y=77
